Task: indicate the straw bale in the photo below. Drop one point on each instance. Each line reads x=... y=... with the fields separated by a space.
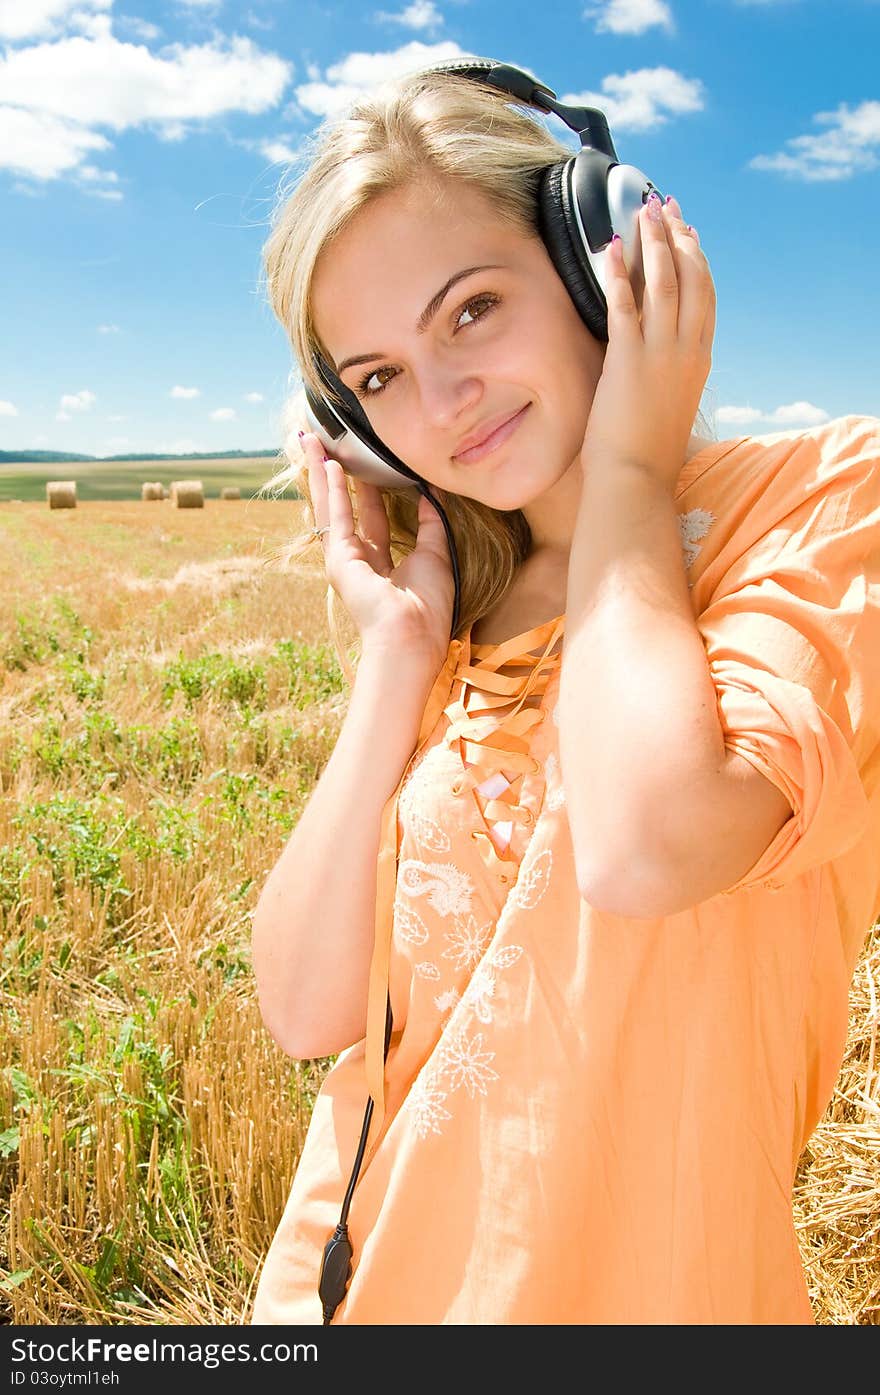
x=61 y=494
x=230 y=491
x=151 y=489
x=187 y=494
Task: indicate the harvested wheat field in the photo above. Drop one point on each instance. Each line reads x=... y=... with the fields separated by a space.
x=168 y=701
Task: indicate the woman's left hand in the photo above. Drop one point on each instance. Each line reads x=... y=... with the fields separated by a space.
x=656 y=364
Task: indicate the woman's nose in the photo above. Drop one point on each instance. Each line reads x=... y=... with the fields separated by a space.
x=446 y=395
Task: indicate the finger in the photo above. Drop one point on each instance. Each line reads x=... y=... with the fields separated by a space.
x=694 y=278
x=660 y=301
x=431 y=536
x=341 y=517
x=317 y=480
x=372 y=521
x=623 y=314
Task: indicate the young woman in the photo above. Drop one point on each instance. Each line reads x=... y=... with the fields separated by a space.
x=616 y=889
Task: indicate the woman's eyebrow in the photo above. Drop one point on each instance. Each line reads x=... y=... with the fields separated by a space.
x=427 y=314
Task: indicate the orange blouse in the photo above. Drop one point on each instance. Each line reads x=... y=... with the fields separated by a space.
x=584 y=1117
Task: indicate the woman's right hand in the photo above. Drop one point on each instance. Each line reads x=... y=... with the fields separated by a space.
x=404 y=611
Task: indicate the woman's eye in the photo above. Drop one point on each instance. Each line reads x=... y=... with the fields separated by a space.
x=363 y=386
x=488 y=300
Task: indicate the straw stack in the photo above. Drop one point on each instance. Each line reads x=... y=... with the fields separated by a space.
x=230 y=491
x=187 y=494
x=61 y=494
x=152 y=490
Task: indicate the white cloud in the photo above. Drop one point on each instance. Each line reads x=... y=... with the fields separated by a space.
x=737 y=416
x=109 y=329
x=92 y=174
x=24 y=19
x=359 y=72
x=223 y=414
x=844 y=150
x=78 y=401
x=253 y=397
x=141 y=28
x=791 y=414
x=108 y=83
x=256 y=22
x=421 y=14
x=53 y=95
x=640 y=100
x=278 y=151
x=177 y=391
x=8 y=409
x=629 y=16
x=799 y=413
x=42 y=146
x=62 y=416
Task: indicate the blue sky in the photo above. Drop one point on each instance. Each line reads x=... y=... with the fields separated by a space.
x=142 y=141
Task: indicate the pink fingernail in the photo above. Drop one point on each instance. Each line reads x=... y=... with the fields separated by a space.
x=654 y=206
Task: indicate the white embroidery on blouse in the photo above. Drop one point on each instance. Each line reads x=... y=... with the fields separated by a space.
x=425 y=1103
x=533 y=881
x=467 y=941
x=448 y=889
x=409 y=925
x=447 y=1000
x=427 y=970
x=693 y=525
x=555 y=787
x=481 y=990
x=426 y=832
x=466 y=1063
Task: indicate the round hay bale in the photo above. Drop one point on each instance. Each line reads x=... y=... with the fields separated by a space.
x=61 y=494
x=151 y=490
x=187 y=494
x=230 y=491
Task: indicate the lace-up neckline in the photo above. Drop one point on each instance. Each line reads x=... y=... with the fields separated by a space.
x=491 y=722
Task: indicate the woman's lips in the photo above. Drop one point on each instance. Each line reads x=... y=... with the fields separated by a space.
x=498 y=437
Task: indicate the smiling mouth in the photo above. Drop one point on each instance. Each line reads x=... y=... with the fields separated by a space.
x=497 y=438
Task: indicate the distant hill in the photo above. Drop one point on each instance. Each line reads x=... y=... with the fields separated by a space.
x=51 y=457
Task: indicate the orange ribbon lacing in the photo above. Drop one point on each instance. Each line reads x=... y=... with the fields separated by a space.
x=493 y=737
x=473 y=729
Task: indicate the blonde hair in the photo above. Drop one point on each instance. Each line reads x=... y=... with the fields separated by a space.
x=429 y=127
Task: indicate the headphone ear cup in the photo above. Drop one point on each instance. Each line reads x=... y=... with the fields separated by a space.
x=562 y=239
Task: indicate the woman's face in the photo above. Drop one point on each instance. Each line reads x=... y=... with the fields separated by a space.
x=502 y=340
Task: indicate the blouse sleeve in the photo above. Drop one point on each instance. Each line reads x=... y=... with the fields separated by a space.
x=792 y=635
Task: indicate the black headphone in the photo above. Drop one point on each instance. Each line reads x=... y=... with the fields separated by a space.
x=582 y=203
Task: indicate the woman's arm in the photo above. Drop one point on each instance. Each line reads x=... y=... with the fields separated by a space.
x=314 y=922
x=662 y=816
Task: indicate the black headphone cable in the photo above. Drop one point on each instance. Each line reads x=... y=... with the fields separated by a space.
x=336 y=1261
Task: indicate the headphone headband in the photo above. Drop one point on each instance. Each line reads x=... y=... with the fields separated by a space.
x=588 y=123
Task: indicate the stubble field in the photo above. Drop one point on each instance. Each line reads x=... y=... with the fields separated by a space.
x=169 y=698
